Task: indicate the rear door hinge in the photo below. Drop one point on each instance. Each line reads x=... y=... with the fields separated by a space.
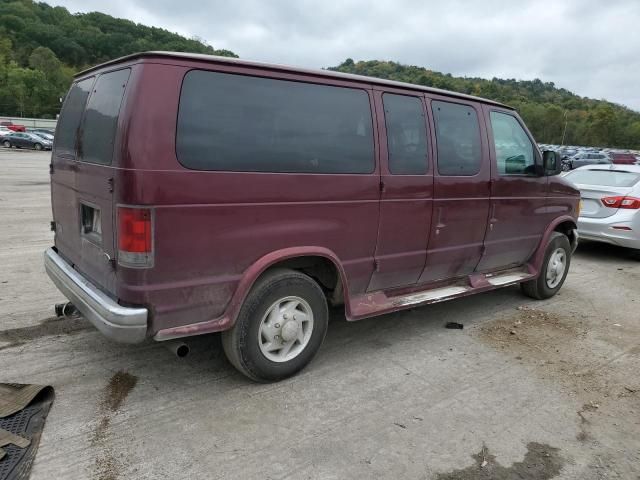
x=382 y=186
x=51 y=168
x=110 y=182
x=376 y=265
x=53 y=225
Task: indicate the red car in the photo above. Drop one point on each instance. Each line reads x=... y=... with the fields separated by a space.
x=624 y=159
x=196 y=194
x=14 y=127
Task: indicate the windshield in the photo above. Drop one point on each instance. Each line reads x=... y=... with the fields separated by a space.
x=605 y=178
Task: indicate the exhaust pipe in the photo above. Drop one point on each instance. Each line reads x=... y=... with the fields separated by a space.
x=67 y=310
x=179 y=349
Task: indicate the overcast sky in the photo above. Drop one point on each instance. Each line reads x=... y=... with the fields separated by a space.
x=591 y=47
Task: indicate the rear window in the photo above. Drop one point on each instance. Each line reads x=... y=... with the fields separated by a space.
x=70 y=116
x=605 y=178
x=101 y=118
x=238 y=123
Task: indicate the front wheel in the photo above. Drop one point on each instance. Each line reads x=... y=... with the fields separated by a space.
x=6 y=144
x=553 y=272
x=37 y=146
x=280 y=327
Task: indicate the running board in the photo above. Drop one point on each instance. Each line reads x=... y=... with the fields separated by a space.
x=378 y=303
x=507 y=279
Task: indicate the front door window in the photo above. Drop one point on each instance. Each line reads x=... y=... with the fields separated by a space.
x=514 y=150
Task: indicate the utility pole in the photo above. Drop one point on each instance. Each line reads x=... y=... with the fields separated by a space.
x=564 y=132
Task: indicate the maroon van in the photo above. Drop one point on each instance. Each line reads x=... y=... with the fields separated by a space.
x=195 y=194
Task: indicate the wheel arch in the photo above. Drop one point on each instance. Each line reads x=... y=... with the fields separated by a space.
x=566 y=225
x=320 y=263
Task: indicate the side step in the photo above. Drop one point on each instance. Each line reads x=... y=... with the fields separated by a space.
x=378 y=303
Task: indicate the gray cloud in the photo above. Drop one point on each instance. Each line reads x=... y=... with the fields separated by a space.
x=587 y=46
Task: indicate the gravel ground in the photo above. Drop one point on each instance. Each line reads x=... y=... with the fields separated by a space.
x=527 y=390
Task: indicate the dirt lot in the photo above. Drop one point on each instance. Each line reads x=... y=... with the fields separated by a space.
x=527 y=390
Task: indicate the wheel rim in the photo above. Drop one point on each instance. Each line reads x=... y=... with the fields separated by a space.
x=285 y=329
x=38 y=146
x=7 y=144
x=556 y=267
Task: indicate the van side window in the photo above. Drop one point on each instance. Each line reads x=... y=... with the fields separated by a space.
x=406 y=134
x=70 y=116
x=457 y=138
x=514 y=150
x=101 y=117
x=249 y=124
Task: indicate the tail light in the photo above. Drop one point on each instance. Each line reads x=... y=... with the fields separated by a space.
x=135 y=237
x=630 y=203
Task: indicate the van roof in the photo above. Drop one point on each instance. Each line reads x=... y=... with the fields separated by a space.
x=214 y=59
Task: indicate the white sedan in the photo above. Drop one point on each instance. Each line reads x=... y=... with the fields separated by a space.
x=610 y=210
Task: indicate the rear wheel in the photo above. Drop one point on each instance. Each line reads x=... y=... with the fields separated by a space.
x=553 y=272
x=280 y=328
x=6 y=144
x=37 y=146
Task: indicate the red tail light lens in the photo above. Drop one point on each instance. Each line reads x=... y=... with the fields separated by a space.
x=630 y=203
x=135 y=237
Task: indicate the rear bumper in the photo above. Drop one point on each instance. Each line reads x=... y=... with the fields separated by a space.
x=122 y=324
x=601 y=230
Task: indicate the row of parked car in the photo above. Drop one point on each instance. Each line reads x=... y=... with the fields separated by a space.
x=34 y=138
x=575 y=157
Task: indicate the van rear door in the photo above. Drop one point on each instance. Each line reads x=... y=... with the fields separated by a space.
x=82 y=178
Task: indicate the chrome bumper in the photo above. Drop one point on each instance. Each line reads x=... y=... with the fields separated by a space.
x=122 y=324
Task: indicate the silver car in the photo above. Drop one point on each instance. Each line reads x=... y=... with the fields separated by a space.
x=589 y=158
x=610 y=206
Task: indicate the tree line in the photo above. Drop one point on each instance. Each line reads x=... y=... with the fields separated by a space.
x=545 y=108
x=41 y=47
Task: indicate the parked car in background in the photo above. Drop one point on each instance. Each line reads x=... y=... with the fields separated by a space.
x=588 y=158
x=610 y=204
x=48 y=131
x=46 y=136
x=13 y=127
x=567 y=153
x=26 y=140
x=5 y=131
x=623 y=158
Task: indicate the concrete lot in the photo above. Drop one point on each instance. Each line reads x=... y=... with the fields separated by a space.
x=538 y=390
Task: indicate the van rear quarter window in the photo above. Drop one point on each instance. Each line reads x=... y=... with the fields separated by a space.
x=457 y=138
x=231 y=122
x=71 y=115
x=101 y=117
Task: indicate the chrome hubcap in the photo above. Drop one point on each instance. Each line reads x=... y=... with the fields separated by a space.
x=285 y=329
x=556 y=267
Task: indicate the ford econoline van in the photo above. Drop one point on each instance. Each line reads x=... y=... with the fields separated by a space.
x=195 y=194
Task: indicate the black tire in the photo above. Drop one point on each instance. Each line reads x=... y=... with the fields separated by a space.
x=241 y=343
x=635 y=254
x=37 y=146
x=539 y=288
x=6 y=144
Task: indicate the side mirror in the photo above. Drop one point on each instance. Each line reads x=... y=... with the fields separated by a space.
x=551 y=163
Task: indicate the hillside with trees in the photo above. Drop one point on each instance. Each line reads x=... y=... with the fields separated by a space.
x=41 y=47
x=542 y=105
